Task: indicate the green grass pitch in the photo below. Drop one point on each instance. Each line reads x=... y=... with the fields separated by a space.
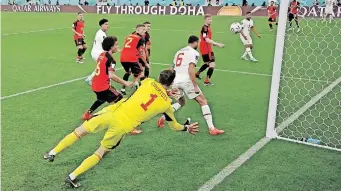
x=159 y=159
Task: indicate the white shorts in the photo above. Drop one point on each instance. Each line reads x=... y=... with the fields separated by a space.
x=95 y=56
x=246 y=42
x=185 y=88
x=329 y=10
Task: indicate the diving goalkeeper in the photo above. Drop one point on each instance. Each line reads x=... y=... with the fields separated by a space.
x=149 y=100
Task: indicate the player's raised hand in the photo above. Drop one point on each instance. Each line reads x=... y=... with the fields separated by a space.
x=193 y=128
x=129 y=84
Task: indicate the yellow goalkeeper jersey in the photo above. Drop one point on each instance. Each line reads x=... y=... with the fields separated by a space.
x=149 y=100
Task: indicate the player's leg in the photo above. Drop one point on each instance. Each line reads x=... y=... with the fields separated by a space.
x=249 y=52
x=210 y=70
x=66 y=142
x=111 y=140
x=297 y=23
x=126 y=75
x=101 y=98
x=136 y=70
x=206 y=111
x=79 y=51
x=206 y=60
x=270 y=23
x=146 y=70
x=84 y=47
x=143 y=68
x=290 y=18
x=89 y=78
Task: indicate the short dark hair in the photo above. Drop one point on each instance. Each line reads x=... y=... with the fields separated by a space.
x=167 y=77
x=248 y=12
x=192 y=39
x=139 y=25
x=108 y=42
x=79 y=13
x=102 y=21
x=147 y=23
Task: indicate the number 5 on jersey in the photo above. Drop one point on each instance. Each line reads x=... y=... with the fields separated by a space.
x=179 y=59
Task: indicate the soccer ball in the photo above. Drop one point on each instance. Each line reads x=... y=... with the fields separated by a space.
x=235 y=27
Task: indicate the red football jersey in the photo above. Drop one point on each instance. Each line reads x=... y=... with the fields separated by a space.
x=131 y=49
x=101 y=80
x=272 y=11
x=206 y=32
x=294 y=7
x=79 y=27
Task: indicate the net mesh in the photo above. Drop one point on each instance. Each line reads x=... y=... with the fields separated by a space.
x=311 y=63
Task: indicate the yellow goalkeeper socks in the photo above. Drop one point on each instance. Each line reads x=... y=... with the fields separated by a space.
x=85 y=166
x=69 y=140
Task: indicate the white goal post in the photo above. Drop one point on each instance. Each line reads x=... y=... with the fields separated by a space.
x=305 y=95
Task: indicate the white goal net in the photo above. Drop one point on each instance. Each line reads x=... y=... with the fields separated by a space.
x=308 y=99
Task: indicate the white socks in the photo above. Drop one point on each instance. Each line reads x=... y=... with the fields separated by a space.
x=248 y=52
x=72 y=176
x=91 y=76
x=52 y=152
x=176 y=106
x=207 y=115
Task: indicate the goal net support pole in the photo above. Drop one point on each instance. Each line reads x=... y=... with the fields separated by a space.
x=276 y=71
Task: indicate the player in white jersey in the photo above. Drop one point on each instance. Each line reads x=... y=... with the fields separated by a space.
x=185 y=61
x=97 y=46
x=329 y=10
x=245 y=36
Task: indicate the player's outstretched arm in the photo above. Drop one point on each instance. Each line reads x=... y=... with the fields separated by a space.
x=255 y=31
x=191 y=128
x=210 y=41
x=117 y=79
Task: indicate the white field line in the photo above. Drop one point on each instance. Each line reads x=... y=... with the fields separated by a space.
x=230 y=168
x=45 y=87
x=153 y=63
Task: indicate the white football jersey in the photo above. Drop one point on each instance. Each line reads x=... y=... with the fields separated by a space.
x=247 y=25
x=330 y=3
x=181 y=62
x=97 y=46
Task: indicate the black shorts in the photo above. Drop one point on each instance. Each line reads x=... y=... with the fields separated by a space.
x=292 y=16
x=80 y=41
x=110 y=95
x=142 y=62
x=207 y=58
x=132 y=67
x=272 y=19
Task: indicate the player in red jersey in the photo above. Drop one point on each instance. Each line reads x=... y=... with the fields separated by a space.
x=78 y=37
x=206 y=50
x=130 y=55
x=272 y=10
x=293 y=14
x=147 y=40
x=105 y=71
